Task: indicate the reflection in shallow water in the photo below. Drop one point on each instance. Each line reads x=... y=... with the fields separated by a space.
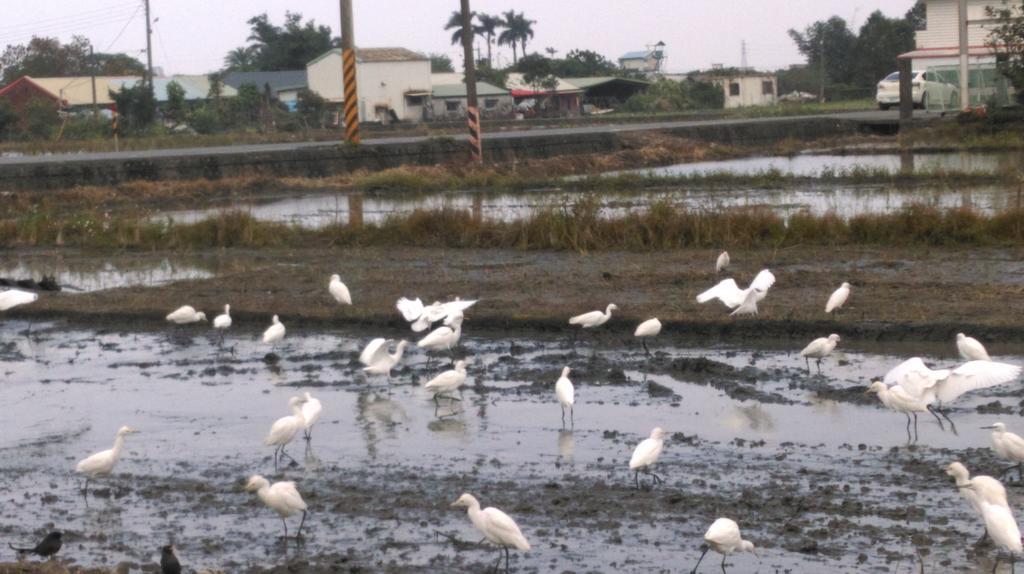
x=107 y=275
x=566 y=445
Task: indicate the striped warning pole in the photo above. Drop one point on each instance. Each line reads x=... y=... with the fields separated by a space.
x=472 y=108
x=348 y=68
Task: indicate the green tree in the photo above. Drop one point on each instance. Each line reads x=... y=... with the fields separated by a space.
x=833 y=38
x=1007 y=41
x=487 y=27
x=48 y=57
x=241 y=59
x=8 y=120
x=116 y=65
x=176 y=107
x=879 y=42
x=485 y=73
x=580 y=63
x=440 y=63
x=455 y=25
x=136 y=107
x=41 y=118
x=517 y=28
x=311 y=108
x=288 y=47
x=536 y=70
x=246 y=106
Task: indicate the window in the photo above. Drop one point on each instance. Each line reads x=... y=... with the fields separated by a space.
x=490 y=103
x=767 y=88
x=893 y=77
x=451 y=106
x=734 y=88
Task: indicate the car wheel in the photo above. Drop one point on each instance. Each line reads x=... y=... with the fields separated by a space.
x=883 y=107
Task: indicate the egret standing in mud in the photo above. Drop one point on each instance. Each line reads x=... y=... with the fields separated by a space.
x=592 y=319
x=311 y=411
x=977 y=489
x=971 y=349
x=724 y=537
x=445 y=337
x=284 y=429
x=185 y=315
x=646 y=454
x=647 y=329
x=447 y=382
x=47 y=547
x=818 y=349
x=281 y=497
x=377 y=359
x=897 y=399
x=102 y=463
x=566 y=395
x=742 y=301
x=497 y=527
x=12 y=298
x=222 y=322
x=1010 y=446
x=339 y=291
x=838 y=298
x=1003 y=529
x=273 y=335
x=722 y=262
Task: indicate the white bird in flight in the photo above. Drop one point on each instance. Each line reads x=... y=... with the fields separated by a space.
x=566 y=395
x=377 y=359
x=284 y=429
x=422 y=317
x=646 y=454
x=742 y=301
x=1008 y=445
x=275 y=332
x=971 y=349
x=497 y=527
x=339 y=291
x=723 y=536
x=12 y=298
x=444 y=337
x=186 y=314
x=1003 y=529
x=818 y=349
x=311 y=411
x=594 y=318
x=838 y=298
x=647 y=329
x=102 y=463
x=722 y=262
x=281 y=497
x=977 y=489
x=448 y=381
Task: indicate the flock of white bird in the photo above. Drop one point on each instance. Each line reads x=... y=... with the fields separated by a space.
x=909 y=388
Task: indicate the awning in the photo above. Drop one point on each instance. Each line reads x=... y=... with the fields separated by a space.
x=954 y=52
x=417 y=93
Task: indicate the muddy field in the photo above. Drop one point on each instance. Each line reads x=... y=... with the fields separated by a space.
x=819 y=476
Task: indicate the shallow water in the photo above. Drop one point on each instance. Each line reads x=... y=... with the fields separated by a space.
x=203 y=413
x=95 y=275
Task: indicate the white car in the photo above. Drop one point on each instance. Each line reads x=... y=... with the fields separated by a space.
x=925 y=88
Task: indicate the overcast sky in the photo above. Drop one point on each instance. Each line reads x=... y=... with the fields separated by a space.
x=191 y=36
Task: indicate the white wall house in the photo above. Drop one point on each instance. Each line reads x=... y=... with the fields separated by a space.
x=392 y=82
x=748 y=89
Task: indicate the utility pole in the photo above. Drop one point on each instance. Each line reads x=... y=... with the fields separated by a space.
x=821 y=65
x=965 y=85
x=149 y=48
x=472 y=109
x=348 y=69
x=92 y=68
x=743 y=55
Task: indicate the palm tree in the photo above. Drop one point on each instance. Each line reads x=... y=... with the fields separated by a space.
x=455 y=24
x=517 y=29
x=525 y=28
x=487 y=28
x=242 y=59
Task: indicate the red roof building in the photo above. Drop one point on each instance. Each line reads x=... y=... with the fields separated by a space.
x=23 y=90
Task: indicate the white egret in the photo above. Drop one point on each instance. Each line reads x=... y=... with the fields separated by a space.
x=284 y=429
x=818 y=349
x=448 y=381
x=222 y=322
x=1003 y=530
x=646 y=454
x=971 y=349
x=977 y=489
x=281 y=497
x=838 y=298
x=422 y=317
x=377 y=359
x=11 y=298
x=724 y=537
x=594 y=318
x=444 y=337
x=339 y=291
x=649 y=328
x=311 y=411
x=275 y=332
x=1008 y=445
x=742 y=301
x=722 y=262
x=496 y=526
x=102 y=463
x=945 y=385
x=566 y=395
x=186 y=314
x=897 y=399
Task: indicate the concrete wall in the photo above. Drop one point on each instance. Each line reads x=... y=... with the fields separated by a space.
x=502 y=108
x=751 y=91
x=379 y=84
x=323 y=160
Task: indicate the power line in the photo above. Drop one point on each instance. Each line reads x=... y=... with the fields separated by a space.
x=129 y=21
x=62 y=28
x=85 y=14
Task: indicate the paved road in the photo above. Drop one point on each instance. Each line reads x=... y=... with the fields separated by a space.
x=867 y=116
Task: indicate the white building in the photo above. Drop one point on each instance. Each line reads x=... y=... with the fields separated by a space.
x=393 y=83
x=747 y=89
x=649 y=61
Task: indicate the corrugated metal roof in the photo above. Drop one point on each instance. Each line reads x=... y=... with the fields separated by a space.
x=516 y=83
x=636 y=55
x=196 y=87
x=591 y=81
x=286 y=79
x=459 y=90
x=77 y=90
x=377 y=55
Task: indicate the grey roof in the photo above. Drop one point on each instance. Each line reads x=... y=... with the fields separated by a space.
x=459 y=90
x=277 y=80
x=637 y=55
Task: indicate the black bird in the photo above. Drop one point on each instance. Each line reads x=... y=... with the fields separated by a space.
x=168 y=561
x=46 y=548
